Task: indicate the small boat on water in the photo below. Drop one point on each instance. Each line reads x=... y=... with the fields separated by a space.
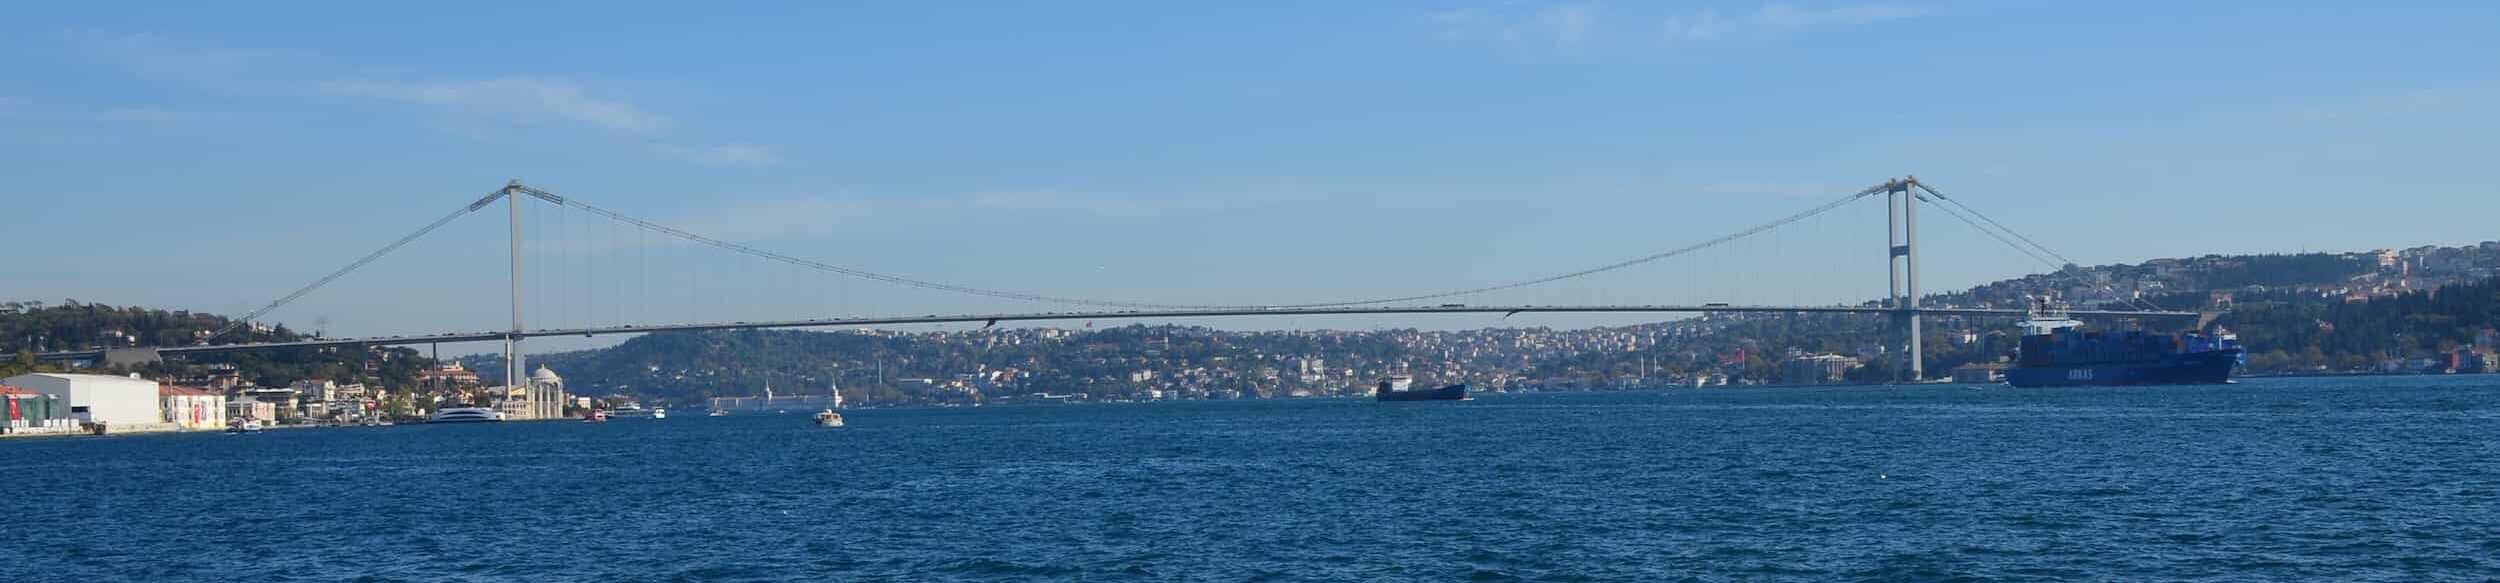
x=596 y=417
x=1397 y=388
x=717 y=413
x=246 y=426
x=465 y=415
x=828 y=418
x=635 y=411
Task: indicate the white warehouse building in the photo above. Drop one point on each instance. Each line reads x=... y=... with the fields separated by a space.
x=120 y=403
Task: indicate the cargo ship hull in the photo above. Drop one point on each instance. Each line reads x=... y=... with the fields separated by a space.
x=1448 y=393
x=2205 y=367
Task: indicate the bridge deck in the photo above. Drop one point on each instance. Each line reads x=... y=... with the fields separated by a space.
x=1110 y=315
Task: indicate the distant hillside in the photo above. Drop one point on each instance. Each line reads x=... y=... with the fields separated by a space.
x=2290 y=331
x=953 y=367
x=28 y=327
x=2296 y=312
x=2189 y=283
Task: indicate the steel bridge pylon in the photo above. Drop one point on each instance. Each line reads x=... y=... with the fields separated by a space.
x=1901 y=266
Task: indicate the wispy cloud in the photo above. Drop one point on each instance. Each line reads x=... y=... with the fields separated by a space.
x=1788 y=17
x=820 y=214
x=2426 y=100
x=1558 y=26
x=139 y=114
x=523 y=99
x=731 y=154
x=1766 y=189
x=1575 y=27
x=481 y=107
x=1052 y=200
x=1775 y=18
x=157 y=57
x=808 y=215
x=1698 y=26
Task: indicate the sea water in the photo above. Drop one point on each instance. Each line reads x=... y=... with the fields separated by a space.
x=2386 y=478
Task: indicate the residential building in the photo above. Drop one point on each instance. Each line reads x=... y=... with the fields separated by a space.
x=251 y=410
x=449 y=377
x=1815 y=369
x=190 y=408
x=283 y=402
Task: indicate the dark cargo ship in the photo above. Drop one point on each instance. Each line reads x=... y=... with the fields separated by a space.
x=1395 y=389
x=2055 y=354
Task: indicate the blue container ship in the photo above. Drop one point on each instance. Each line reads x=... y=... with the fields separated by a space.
x=2054 y=353
x=1398 y=388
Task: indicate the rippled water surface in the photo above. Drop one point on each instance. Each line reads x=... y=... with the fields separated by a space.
x=2317 y=479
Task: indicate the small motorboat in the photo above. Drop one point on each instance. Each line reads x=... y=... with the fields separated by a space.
x=247 y=426
x=596 y=417
x=828 y=418
x=717 y=413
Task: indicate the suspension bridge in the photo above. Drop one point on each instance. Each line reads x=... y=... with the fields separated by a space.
x=1902 y=199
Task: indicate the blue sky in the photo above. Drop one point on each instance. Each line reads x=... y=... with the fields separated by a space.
x=212 y=157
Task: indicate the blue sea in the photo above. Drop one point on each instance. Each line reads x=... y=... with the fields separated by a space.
x=2390 y=479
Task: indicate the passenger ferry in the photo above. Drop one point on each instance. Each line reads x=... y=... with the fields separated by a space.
x=635 y=411
x=465 y=415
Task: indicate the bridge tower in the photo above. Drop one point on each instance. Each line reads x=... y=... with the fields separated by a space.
x=512 y=369
x=1901 y=263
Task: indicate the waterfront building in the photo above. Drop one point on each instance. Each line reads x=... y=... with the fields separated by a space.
x=1815 y=369
x=191 y=408
x=118 y=403
x=283 y=402
x=29 y=411
x=542 y=397
x=251 y=410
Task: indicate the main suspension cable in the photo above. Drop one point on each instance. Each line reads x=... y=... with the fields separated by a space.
x=1024 y=296
x=351 y=267
x=2062 y=263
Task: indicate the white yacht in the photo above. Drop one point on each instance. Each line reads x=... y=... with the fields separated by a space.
x=828 y=418
x=465 y=415
x=635 y=411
